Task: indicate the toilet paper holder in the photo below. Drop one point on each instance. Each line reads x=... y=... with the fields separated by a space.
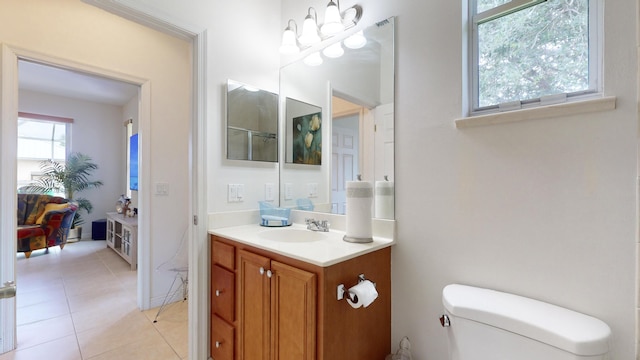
x=342 y=289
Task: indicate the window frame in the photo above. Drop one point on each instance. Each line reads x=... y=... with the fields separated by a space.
x=595 y=58
x=50 y=119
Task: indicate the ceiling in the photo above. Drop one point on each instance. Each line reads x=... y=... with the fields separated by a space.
x=57 y=81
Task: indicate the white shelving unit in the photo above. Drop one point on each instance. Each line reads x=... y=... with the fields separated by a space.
x=122 y=237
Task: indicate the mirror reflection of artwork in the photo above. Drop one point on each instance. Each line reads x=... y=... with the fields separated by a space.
x=307 y=139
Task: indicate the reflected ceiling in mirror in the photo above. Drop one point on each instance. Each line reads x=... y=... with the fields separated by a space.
x=354 y=94
x=252 y=123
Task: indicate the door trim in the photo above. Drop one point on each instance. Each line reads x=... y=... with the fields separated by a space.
x=8 y=185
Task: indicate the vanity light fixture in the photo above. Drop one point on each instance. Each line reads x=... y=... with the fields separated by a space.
x=289 y=39
x=310 y=29
x=335 y=23
x=314 y=59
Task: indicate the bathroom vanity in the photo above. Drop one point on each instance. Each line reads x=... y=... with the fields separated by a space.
x=274 y=295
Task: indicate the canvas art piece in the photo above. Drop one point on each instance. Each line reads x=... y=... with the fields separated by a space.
x=307 y=139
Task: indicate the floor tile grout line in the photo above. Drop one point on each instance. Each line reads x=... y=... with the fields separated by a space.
x=77 y=259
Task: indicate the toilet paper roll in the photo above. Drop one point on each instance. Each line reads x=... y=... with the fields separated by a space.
x=359 y=210
x=362 y=294
x=384 y=200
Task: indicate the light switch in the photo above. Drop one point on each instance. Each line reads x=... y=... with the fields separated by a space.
x=269 y=192
x=240 y=193
x=288 y=191
x=312 y=189
x=162 y=188
x=232 y=193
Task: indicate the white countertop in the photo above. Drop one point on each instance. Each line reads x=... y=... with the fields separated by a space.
x=318 y=248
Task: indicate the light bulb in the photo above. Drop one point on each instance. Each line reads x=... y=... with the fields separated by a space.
x=356 y=41
x=289 y=43
x=314 y=59
x=334 y=50
x=309 y=32
x=332 y=20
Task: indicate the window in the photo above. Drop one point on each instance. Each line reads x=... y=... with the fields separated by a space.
x=532 y=52
x=40 y=137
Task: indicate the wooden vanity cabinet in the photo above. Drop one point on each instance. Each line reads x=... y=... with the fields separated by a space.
x=223 y=298
x=286 y=309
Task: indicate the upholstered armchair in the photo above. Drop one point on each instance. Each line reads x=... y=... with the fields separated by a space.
x=43 y=221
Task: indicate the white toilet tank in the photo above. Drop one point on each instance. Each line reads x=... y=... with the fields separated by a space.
x=485 y=324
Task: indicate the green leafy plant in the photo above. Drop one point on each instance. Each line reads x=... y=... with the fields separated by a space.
x=69 y=178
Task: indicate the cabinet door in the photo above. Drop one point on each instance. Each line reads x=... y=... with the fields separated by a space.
x=293 y=313
x=253 y=306
x=110 y=233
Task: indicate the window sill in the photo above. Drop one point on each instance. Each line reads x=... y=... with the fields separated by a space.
x=541 y=112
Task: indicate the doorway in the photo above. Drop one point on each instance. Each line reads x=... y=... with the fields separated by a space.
x=350 y=126
x=9 y=107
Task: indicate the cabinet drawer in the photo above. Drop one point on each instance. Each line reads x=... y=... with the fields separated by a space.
x=223 y=291
x=224 y=255
x=222 y=339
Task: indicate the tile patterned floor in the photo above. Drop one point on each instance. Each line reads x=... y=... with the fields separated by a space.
x=80 y=304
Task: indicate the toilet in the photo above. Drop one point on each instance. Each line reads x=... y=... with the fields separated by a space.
x=485 y=324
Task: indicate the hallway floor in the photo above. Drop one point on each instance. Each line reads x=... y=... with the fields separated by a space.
x=80 y=304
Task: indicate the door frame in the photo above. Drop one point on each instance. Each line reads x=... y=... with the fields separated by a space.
x=8 y=136
x=8 y=184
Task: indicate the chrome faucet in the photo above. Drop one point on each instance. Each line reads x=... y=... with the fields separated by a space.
x=317 y=225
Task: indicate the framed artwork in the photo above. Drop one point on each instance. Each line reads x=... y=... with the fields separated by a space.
x=307 y=139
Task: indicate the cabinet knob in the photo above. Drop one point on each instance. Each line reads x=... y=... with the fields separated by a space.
x=218 y=344
x=219 y=292
x=269 y=273
x=261 y=270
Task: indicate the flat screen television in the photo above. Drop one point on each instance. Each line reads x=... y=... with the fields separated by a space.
x=133 y=162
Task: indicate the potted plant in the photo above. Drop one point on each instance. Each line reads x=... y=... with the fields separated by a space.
x=69 y=178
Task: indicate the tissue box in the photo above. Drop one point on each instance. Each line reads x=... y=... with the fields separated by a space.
x=274 y=216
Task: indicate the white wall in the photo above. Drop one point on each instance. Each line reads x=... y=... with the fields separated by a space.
x=74 y=31
x=96 y=131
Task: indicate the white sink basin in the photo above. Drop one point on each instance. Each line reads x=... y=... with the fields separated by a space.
x=293 y=235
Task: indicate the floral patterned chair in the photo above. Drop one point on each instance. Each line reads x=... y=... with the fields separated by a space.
x=43 y=221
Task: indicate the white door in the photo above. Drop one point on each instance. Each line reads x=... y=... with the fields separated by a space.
x=344 y=159
x=8 y=186
x=384 y=140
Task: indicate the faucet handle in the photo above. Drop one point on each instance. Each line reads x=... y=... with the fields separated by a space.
x=308 y=220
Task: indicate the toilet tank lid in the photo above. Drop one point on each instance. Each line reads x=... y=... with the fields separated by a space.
x=566 y=329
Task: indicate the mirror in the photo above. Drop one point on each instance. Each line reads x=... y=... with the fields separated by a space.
x=352 y=99
x=252 y=123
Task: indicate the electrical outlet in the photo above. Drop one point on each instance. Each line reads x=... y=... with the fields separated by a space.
x=288 y=191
